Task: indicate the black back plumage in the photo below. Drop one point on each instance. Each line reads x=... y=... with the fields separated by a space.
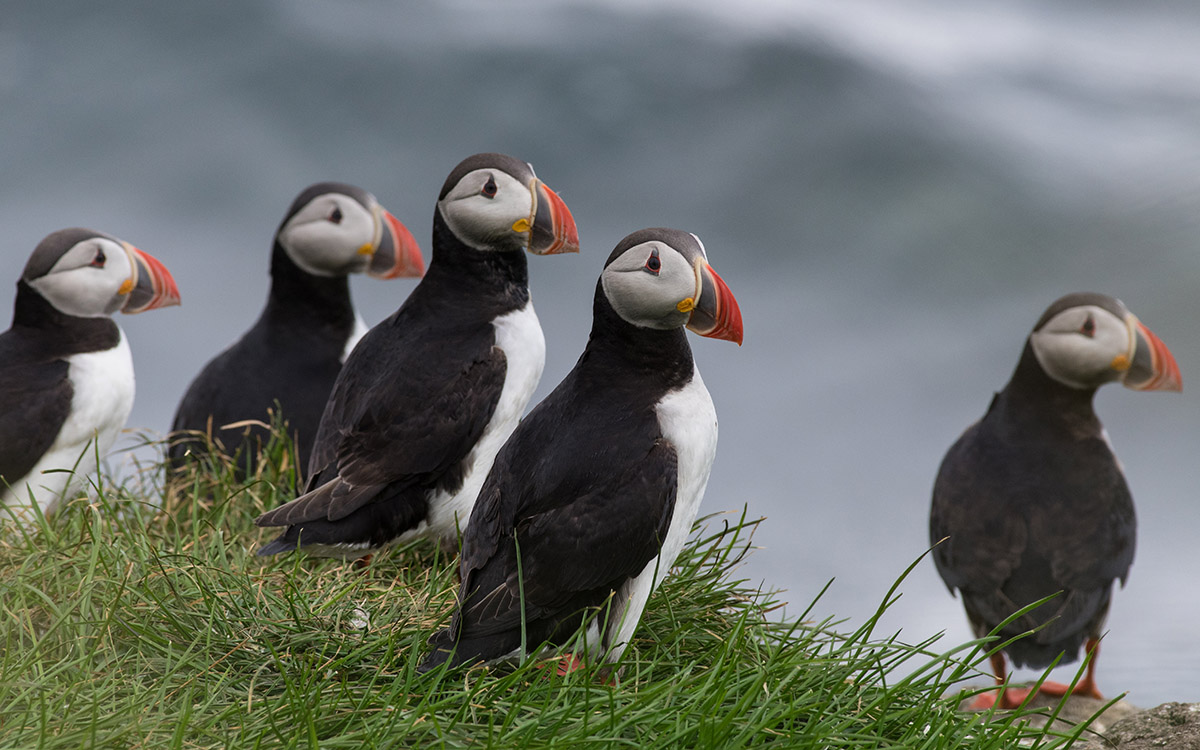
x=410 y=403
x=583 y=491
x=287 y=361
x=35 y=390
x=1033 y=501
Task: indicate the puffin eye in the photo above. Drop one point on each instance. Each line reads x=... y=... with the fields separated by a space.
x=335 y=216
x=489 y=188
x=99 y=260
x=1088 y=328
x=653 y=264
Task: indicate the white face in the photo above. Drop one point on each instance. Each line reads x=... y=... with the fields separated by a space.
x=91 y=280
x=332 y=235
x=490 y=209
x=647 y=283
x=1078 y=346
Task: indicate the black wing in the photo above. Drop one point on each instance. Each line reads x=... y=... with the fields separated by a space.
x=413 y=426
x=292 y=366
x=35 y=399
x=216 y=397
x=575 y=545
x=981 y=539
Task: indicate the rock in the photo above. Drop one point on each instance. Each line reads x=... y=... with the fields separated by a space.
x=1171 y=726
x=1175 y=726
x=1077 y=710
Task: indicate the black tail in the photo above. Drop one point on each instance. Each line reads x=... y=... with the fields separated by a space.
x=275 y=547
x=443 y=651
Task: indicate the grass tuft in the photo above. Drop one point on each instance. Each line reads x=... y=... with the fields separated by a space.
x=138 y=617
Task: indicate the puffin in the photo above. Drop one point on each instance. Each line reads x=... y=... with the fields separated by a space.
x=590 y=501
x=290 y=357
x=429 y=395
x=66 y=374
x=1031 y=501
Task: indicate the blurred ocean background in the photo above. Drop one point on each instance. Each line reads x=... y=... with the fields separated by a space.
x=894 y=190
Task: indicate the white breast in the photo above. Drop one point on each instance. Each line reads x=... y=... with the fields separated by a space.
x=360 y=330
x=103 y=397
x=688 y=421
x=1111 y=450
x=519 y=336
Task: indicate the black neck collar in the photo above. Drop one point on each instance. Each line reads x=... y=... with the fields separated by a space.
x=299 y=296
x=458 y=271
x=664 y=357
x=57 y=333
x=1032 y=395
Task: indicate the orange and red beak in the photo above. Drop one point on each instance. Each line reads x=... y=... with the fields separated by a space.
x=1152 y=366
x=396 y=252
x=552 y=228
x=150 y=286
x=716 y=313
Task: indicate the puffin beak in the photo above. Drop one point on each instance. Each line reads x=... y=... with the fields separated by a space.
x=553 y=228
x=715 y=312
x=150 y=286
x=1151 y=365
x=396 y=252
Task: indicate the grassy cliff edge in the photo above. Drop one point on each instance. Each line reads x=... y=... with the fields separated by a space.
x=134 y=619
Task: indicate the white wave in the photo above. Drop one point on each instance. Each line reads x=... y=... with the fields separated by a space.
x=1107 y=42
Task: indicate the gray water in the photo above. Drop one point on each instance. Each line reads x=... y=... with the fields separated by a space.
x=894 y=190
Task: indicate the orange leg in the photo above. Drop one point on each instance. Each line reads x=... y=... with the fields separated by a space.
x=572 y=663
x=1014 y=697
x=566 y=663
x=569 y=663
x=1086 y=686
x=985 y=701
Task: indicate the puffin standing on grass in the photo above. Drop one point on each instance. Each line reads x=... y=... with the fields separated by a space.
x=66 y=375
x=591 y=499
x=1031 y=501
x=290 y=358
x=430 y=394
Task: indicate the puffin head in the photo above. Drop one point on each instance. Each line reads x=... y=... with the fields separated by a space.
x=334 y=229
x=495 y=202
x=660 y=278
x=90 y=274
x=1085 y=340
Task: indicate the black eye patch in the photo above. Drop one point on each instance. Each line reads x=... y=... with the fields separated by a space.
x=1089 y=327
x=653 y=263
